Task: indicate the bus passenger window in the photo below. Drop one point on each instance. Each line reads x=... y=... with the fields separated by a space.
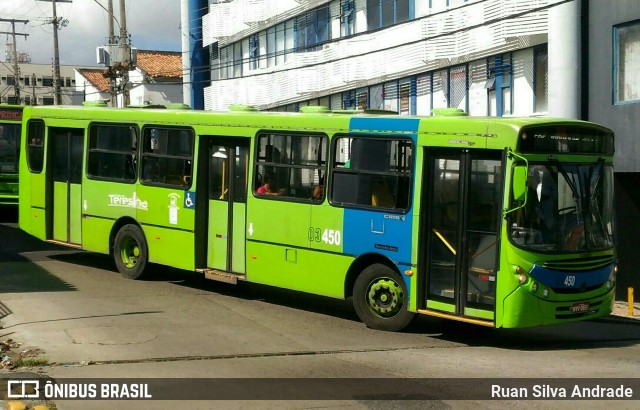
x=35 y=149
x=112 y=152
x=167 y=156
x=291 y=166
x=372 y=173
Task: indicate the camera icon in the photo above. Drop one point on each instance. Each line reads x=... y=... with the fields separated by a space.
x=23 y=389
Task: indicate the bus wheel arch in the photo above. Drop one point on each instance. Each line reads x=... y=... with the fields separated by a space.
x=380 y=295
x=129 y=249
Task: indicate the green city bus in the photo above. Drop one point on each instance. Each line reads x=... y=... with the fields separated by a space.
x=502 y=222
x=10 y=127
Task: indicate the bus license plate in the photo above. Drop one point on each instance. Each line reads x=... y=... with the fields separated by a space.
x=580 y=307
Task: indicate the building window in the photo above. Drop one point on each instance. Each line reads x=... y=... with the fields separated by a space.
x=498 y=85
x=347 y=17
x=11 y=80
x=458 y=87
x=47 y=81
x=349 y=101
x=383 y=13
x=254 y=51
x=47 y=100
x=312 y=29
x=237 y=59
x=626 y=39
x=540 y=79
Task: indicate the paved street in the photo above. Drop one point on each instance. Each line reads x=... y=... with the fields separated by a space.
x=88 y=321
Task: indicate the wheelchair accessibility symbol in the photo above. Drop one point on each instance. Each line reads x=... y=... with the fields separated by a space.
x=189 y=200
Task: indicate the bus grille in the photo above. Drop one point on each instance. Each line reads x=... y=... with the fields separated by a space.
x=564 y=312
x=579 y=264
x=566 y=291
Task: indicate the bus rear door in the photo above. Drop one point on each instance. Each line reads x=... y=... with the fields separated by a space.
x=227 y=171
x=65 y=189
x=462 y=200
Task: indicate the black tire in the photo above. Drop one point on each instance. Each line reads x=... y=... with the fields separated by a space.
x=130 y=252
x=380 y=299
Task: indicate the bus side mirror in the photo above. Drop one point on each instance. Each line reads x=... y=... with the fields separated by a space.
x=519 y=182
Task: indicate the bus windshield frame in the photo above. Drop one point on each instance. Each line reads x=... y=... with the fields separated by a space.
x=569 y=208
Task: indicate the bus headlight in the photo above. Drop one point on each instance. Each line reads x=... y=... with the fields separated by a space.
x=612 y=277
x=522 y=275
x=545 y=292
x=534 y=287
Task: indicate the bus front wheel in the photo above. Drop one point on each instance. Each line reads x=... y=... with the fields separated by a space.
x=130 y=251
x=380 y=299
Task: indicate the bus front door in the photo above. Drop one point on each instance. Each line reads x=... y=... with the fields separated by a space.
x=462 y=200
x=228 y=173
x=65 y=198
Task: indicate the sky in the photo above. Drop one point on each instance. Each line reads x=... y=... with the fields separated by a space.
x=152 y=25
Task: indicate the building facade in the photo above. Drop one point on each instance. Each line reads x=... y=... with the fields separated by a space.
x=487 y=57
x=35 y=84
x=612 y=94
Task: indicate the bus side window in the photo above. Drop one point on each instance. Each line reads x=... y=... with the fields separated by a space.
x=290 y=166
x=167 y=156
x=372 y=172
x=35 y=149
x=112 y=152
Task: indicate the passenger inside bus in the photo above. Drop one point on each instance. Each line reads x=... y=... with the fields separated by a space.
x=269 y=186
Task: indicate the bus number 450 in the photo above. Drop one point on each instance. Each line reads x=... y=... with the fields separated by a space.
x=569 y=280
x=328 y=236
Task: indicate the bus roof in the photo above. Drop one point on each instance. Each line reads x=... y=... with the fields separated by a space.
x=334 y=120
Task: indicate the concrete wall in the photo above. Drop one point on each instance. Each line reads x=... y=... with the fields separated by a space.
x=622 y=118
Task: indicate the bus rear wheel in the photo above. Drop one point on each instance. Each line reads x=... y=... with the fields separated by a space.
x=380 y=299
x=130 y=252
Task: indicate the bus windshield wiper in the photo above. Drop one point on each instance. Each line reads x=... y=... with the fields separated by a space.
x=570 y=181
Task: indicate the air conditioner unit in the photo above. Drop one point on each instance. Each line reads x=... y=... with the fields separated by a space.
x=134 y=56
x=101 y=55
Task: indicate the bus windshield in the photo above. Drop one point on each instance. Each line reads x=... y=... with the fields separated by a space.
x=9 y=146
x=569 y=208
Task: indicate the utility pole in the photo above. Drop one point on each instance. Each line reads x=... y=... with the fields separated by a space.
x=112 y=40
x=14 y=58
x=55 y=21
x=124 y=44
x=34 y=98
x=117 y=55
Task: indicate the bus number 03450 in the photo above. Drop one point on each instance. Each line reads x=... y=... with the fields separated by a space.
x=328 y=236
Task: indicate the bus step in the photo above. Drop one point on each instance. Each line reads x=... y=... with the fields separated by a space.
x=222 y=276
x=480 y=322
x=67 y=244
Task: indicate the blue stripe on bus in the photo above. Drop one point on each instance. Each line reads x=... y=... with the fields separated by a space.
x=363 y=125
x=560 y=280
x=378 y=232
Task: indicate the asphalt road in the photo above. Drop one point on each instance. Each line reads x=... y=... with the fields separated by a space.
x=90 y=322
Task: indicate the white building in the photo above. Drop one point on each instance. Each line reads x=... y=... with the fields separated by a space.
x=156 y=80
x=35 y=85
x=488 y=57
